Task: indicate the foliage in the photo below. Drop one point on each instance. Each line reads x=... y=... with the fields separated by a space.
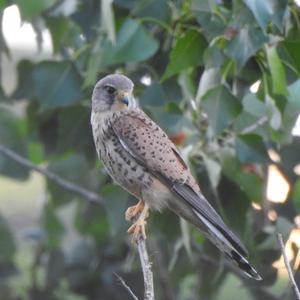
x=202 y=57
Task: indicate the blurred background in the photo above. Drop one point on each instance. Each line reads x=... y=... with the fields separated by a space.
x=221 y=77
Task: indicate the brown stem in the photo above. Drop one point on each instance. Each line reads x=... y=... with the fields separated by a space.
x=67 y=185
x=288 y=267
x=122 y=281
x=146 y=267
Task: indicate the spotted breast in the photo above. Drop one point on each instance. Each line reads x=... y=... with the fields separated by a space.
x=120 y=165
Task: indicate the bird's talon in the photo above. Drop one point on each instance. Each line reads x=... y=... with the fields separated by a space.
x=133 y=211
x=137 y=230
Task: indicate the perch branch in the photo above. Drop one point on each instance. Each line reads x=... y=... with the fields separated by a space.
x=146 y=267
x=67 y=185
x=122 y=281
x=288 y=267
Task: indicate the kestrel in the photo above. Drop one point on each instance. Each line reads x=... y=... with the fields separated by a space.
x=141 y=158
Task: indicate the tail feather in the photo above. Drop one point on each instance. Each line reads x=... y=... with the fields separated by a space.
x=225 y=245
x=244 y=265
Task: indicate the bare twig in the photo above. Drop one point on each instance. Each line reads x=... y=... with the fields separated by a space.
x=288 y=267
x=146 y=267
x=67 y=185
x=122 y=281
x=254 y=126
x=162 y=271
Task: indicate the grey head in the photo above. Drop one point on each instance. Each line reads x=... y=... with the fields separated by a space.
x=112 y=93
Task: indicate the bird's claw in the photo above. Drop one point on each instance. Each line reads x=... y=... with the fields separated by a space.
x=138 y=230
x=133 y=211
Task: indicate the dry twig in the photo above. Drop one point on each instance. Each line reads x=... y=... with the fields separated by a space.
x=122 y=281
x=146 y=267
x=67 y=185
x=288 y=267
x=257 y=124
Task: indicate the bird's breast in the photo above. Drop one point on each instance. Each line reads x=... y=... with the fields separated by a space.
x=120 y=165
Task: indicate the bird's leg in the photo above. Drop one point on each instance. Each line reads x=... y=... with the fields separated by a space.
x=133 y=212
x=137 y=229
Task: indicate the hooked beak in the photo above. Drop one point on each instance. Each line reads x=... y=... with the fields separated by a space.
x=123 y=97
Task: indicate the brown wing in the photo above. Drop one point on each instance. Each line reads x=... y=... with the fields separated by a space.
x=152 y=148
x=148 y=143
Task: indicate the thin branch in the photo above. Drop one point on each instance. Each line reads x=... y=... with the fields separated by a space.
x=288 y=267
x=161 y=267
x=67 y=185
x=146 y=267
x=122 y=281
x=254 y=126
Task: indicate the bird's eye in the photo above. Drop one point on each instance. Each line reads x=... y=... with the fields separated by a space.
x=110 y=89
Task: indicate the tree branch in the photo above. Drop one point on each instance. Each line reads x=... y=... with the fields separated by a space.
x=288 y=267
x=67 y=185
x=254 y=126
x=162 y=271
x=122 y=281
x=146 y=267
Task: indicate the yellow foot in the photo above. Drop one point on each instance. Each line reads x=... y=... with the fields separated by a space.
x=140 y=214
x=138 y=230
x=133 y=212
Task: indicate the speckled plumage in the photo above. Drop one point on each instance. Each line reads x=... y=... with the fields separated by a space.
x=140 y=157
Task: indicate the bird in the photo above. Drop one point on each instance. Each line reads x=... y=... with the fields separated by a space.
x=141 y=158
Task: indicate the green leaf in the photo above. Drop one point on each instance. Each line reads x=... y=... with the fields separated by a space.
x=187 y=52
x=221 y=107
x=203 y=6
x=214 y=57
x=153 y=95
x=134 y=44
x=292 y=49
x=160 y=10
x=250 y=149
x=294 y=92
x=245 y=44
x=253 y=105
x=210 y=78
x=31 y=8
x=277 y=72
x=262 y=11
x=296 y=195
x=57 y=84
x=274 y=113
x=209 y=17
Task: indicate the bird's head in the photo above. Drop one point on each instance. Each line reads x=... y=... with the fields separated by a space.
x=113 y=93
